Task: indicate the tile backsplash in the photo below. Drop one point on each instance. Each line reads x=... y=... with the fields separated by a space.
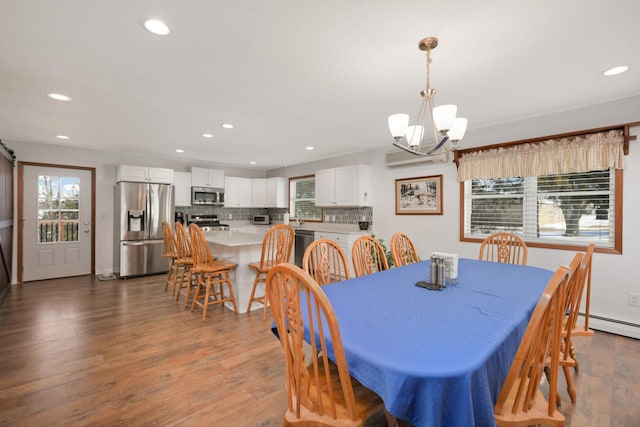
x=348 y=215
x=331 y=215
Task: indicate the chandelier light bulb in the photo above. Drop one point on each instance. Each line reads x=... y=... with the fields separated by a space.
x=458 y=128
x=443 y=116
x=398 y=124
x=414 y=135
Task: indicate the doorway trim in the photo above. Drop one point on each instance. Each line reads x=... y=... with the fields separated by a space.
x=21 y=220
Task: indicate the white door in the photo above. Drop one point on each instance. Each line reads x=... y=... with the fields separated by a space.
x=56 y=236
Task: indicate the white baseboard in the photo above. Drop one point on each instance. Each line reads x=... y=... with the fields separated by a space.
x=613 y=326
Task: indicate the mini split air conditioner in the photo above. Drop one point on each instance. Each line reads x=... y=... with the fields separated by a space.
x=397 y=158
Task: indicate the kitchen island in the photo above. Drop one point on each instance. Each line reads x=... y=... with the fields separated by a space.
x=241 y=248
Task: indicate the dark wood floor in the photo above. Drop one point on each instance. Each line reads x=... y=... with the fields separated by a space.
x=80 y=351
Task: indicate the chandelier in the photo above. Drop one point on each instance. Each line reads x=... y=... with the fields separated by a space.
x=443 y=121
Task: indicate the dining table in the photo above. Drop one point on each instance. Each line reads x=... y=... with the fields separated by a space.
x=436 y=357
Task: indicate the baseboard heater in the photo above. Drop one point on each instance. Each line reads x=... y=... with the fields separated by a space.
x=614 y=326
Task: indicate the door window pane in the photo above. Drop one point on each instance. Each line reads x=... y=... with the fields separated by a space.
x=58 y=209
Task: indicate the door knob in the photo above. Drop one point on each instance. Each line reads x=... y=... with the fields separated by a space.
x=86 y=230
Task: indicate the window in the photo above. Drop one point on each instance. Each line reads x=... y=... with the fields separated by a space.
x=302 y=198
x=560 y=193
x=569 y=209
x=58 y=209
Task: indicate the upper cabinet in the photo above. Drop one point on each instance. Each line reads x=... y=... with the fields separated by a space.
x=238 y=192
x=269 y=192
x=144 y=174
x=182 y=181
x=259 y=191
x=277 y=194
x=202 y=177
x=344 y=186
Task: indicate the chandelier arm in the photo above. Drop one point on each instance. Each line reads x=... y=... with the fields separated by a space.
x=409 y=150
x=433 y=122
x=440 y=144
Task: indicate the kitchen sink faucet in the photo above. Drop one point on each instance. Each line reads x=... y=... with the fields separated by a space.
x=299 y=220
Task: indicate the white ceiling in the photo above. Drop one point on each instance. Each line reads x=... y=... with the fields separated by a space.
x=293 y=73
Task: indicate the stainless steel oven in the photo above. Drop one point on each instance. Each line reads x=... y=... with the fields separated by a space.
x=207 y=222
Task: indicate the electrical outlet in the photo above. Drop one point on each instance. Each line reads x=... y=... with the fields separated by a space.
x=633 y=299
x=230 y=216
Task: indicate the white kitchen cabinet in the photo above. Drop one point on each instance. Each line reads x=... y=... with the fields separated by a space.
x=202 y=177
x=182 y=182
x=345 y=241
x=343 y=186
x=277 y=193
x=144 y=174
x=238 y=192
x=259 y=191
x=269 y=192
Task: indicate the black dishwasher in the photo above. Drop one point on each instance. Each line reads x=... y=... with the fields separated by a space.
x=303 y=238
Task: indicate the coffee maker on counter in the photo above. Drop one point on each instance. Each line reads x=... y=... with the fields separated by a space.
x=181 y=217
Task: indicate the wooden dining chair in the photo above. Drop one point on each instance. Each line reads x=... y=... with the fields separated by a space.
x=326 y=262
x=184 y=262
x=368 y=256
x=579 y=267
x=521 y=402
x=211 y=275
x=169 y=251
x=403 y=251
x=319 y=391
x=585 y=266
x=566 y=361
x=276 y=248
x=504 y=247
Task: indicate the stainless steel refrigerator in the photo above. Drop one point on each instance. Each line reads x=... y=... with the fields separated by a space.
x=140 y=210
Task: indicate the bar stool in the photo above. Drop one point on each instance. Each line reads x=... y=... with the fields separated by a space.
x=276 y=248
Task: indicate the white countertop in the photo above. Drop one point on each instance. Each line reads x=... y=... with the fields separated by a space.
x=326 y=227
x=233 y=238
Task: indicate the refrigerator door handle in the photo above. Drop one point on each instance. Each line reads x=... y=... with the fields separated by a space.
x=149 y=206
x=134 y=243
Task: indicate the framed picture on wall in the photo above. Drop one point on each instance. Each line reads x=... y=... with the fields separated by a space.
x=419 y=196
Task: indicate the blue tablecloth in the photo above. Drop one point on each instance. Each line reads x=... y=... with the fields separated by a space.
x=437 y=358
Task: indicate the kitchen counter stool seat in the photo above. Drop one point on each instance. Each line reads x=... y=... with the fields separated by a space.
x=211 y=275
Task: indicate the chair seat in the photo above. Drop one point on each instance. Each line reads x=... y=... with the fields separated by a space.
x=538 y=414
x=255 y=266
x=367 y=403
x=217 y=265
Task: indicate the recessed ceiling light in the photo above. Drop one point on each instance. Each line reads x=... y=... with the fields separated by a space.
x=207 y=135
x=156 y=27
x=309 y=148
x=179 y=151
x=615 y=70
x=62 y=137
x=252 y=162
x=59 y=97
x=227 y=125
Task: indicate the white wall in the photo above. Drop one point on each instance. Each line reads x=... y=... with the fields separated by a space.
x=105 y=164
x=614 y=276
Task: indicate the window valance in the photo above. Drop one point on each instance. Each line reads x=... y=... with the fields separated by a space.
x=581 y=153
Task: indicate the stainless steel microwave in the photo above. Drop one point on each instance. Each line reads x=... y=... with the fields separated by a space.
x=261 y=219
x=207 y=196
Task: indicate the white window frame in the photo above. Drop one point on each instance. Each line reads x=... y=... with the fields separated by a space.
x=530 y=206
